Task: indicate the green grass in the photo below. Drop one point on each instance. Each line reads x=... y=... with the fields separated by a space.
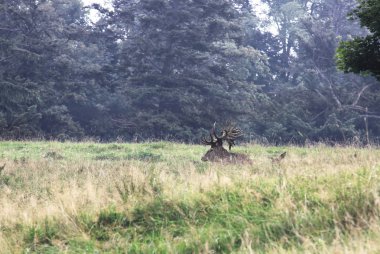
x=160 y=198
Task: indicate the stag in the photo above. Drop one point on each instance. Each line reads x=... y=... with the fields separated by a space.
x=217 y=152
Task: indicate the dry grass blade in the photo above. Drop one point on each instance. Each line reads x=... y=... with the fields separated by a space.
x=2 y=168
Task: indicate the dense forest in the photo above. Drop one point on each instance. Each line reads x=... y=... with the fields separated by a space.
x=285 y=71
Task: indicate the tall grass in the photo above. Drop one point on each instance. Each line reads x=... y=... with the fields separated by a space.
x=160 y=198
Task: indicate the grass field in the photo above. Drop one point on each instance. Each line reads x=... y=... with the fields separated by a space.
x=160 y=198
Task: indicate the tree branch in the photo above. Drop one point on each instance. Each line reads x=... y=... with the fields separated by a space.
x=15 y=48
x=370 y=116
x=5 y=59
x=318 y=115
x=360 y=94
x=321 y=95
x=9 y=29
x=334 y=96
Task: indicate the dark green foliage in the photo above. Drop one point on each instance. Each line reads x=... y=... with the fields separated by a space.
x=165 y=69
x=42 y=234
x=311 y=100
x=184 y=65
x=31 y=46
x=362 y=54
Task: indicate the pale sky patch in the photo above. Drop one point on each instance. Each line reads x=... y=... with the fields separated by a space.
x=94 y=15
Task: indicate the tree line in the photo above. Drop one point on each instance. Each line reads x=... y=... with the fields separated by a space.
x=169 y=69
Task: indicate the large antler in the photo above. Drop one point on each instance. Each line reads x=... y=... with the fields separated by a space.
x=230 y=133
x=206 y=142
x=214 y=139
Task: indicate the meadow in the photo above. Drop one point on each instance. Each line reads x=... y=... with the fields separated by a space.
x=161 y=198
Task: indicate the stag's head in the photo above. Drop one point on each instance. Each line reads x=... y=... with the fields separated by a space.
x=228 y=134
x=214 y=141
x=217 y=151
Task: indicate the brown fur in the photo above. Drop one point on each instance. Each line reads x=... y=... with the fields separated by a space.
x=279 y=158
x=219 y=154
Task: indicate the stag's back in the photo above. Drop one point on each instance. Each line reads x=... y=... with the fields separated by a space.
x=219 y=154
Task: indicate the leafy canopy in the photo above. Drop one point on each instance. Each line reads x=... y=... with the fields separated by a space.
x=363 y=53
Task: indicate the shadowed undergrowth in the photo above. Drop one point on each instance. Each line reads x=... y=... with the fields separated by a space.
x=317 y=200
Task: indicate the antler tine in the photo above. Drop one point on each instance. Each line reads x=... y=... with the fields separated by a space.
x=213 y=132
x=231 y=133
x=236 y=133
x=215 y=140
x=204 y=141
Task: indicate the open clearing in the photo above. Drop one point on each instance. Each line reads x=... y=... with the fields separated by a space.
x=160 y=198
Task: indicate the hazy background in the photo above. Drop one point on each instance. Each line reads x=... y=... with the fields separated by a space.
x=165 y=69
